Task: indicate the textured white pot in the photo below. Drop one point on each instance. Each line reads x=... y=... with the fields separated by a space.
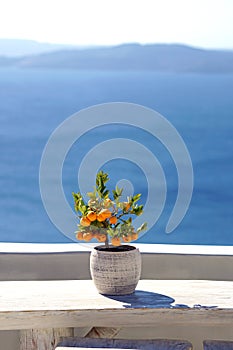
x=115 y=271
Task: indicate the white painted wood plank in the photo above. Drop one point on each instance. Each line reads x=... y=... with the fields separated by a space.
x=114 y=318
x=70 y=295
x=38 y=304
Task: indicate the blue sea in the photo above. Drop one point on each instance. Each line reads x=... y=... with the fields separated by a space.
x=34 y=102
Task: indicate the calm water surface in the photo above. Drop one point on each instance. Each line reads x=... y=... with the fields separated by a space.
x=34 y=102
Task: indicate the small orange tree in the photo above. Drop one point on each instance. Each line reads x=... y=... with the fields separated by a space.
x=104 y=218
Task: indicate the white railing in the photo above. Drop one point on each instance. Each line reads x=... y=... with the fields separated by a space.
x=25 y=261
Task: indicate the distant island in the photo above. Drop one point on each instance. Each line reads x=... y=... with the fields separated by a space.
x=130 y=57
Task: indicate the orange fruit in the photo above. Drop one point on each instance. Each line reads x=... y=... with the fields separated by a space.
x=116 y=241
x=91 y=216
x=100 y=217
x=101 y=237
x=79 y=236
x=127 y=239
x=106 y=213
x=103 y=215
x=85 y=221
x=134 y=236
x=87 y=236
x=113 y=220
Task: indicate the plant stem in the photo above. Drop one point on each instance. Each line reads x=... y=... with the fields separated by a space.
x=105 y=225
x=106 y=242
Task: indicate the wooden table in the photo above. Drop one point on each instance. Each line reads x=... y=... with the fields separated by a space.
x=44 y=311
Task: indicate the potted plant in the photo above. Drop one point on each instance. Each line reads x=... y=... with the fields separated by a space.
x=115 y=267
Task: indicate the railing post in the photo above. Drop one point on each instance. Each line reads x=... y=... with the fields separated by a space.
x=43 y=339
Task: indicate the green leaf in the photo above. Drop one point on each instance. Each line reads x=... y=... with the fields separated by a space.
x=101 y=179
x=129 y=220
x=137 y=210
x=117 y=193
x=78 y=202
x=136 y=197
x=105 y=194
x=96 y=202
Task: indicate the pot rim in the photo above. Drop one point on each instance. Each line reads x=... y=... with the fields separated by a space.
x=133 y=249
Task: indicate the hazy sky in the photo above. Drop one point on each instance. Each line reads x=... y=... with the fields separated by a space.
x=203 y=23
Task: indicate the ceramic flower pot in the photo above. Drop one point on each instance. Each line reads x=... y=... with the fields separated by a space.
x=115 y=270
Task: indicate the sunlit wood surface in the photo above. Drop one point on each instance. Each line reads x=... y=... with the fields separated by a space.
x=46 y=310
x=31 y=304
